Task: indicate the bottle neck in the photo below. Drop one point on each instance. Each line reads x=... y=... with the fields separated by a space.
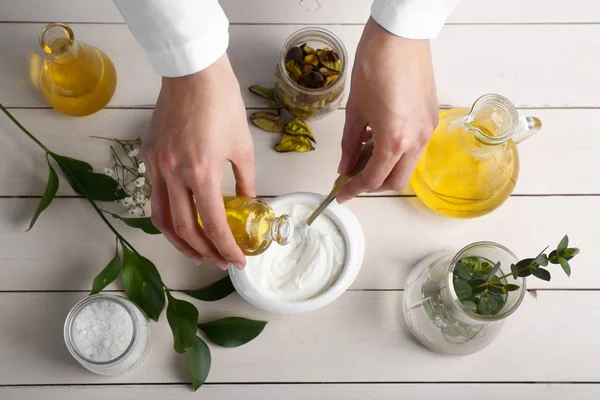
x=282 y=229
x=493 y=119
x=58 y=42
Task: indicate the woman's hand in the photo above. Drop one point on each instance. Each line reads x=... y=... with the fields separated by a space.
x=199 y=124
x=392 y=92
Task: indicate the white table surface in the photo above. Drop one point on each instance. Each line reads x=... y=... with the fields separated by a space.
x=542 y=54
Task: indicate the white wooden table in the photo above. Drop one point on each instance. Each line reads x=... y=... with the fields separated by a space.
x=542 y=54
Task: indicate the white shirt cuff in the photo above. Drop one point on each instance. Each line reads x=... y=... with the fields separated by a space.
x=412 y=19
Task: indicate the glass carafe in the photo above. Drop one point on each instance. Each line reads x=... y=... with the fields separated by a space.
x=436 y=316
x=471 y=164
x=76 y=78
x=254 y=224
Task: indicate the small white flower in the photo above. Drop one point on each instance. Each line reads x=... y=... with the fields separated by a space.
x=139 y=182
x=142 y=168
x=139 y=198
x=108 y=171
x=134 y=152
x=127 y=201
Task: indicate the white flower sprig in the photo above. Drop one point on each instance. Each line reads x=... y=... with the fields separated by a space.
x=130 y=172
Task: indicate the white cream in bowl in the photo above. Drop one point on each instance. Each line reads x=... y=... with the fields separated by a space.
x=304 y=275
x=305 y=267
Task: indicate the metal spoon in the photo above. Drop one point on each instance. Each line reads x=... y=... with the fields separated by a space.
x=363 y=158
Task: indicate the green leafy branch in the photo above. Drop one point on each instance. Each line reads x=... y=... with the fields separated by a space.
x=480 y=289
x=140 y=277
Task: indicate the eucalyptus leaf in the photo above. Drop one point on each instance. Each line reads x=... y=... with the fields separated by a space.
x=514 y=271
x=108 y=274
x=143 y=223
x=497 y=288
x=568 y=254
x=510 y=287
x=267 y=93
x=478 y=285
x=232 y=331
x=541 y=273
x=473 y=263
x=215 y=291
x=182 y=317
x=49 y=193
x=493 y=271
x=469 y=305
x=462 y=289
x=462 y=271
x=565 y=266
x=554 y=257
x=87 y=183
x=484 y=304
x=142 y=283
x=542 y=260
x=564 y=243
x=199 y=363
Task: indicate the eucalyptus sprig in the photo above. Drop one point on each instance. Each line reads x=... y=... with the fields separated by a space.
x=480 y=289
x=140 y=277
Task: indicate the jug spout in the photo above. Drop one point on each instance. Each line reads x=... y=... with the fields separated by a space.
x=528 y=126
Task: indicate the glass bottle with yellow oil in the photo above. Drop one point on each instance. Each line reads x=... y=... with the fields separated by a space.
x=254 y=224
x=76 y=78
x=471 y=164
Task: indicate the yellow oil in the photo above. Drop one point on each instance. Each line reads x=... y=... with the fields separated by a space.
x=250 y=221
x=76 y=79
x=460 y=176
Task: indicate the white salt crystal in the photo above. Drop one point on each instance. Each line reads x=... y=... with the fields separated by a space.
x=102 y=331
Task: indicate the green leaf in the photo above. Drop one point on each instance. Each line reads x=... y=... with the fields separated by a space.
x=462 y=289
x=215 y=291
x=232 y=331
x=513 y=269
x=144 y=224
x=469 y=305
x=87 y=183
x=510 y=287
x=542 y=260
x=497 y=288
x=484 y=304
x=267 y=93
x=182 y=317
x=564 y=243
x=493 y=271
x=541 y=273
x=108 y=274
x=142 y=283
x=478 y=282
x=199 y=363
x=568 y=254
x=473 y=263
x=553 y=257
x=565 y=266
x=462 y=271
x=500 y=299
x=523 y=264
x=49 y=193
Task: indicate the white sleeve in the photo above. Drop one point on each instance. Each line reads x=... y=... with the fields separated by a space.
x=180 y=37
x=412 y=19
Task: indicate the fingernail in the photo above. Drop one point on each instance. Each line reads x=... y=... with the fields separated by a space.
x=239 y=265
x=222 y=265
x=197 y=260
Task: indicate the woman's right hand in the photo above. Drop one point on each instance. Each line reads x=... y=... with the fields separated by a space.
x=199 y=124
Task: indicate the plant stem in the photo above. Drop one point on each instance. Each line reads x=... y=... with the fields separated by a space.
x=9 y=115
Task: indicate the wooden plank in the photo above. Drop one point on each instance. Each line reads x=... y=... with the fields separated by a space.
x=361 y=337
x=510 y=64
x=493 y=391
x=314 y=11
x=562 y=159
x=69 y=244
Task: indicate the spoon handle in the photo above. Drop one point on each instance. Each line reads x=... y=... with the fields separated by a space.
x=363 y=158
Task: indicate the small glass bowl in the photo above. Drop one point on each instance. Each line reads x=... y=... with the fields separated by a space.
x=304 y=103
x=135 y=353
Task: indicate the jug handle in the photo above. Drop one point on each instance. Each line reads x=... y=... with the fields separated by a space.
x=528 y=126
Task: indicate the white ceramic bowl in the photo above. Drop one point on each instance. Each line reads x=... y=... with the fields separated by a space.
x=353 y=235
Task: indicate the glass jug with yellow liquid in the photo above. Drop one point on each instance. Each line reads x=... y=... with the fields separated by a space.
x=254 y=224
x=76 y=78
x=471 y=164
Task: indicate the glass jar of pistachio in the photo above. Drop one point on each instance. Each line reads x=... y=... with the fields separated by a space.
x=310 y=78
